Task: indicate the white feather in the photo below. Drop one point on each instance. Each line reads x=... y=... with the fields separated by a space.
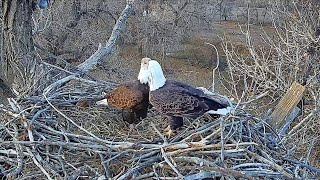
x=223 y=111
x=206 y=91
x=144 y=72
x=103 y=102
x=221 y=99
x=156 y=76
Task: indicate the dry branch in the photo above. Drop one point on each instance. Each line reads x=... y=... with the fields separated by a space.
x=96 y=58
x=101 y=53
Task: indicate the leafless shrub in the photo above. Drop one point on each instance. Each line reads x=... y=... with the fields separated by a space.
x=269 y=64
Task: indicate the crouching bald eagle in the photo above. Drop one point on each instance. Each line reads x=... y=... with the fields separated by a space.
x=176 y=100
x=132 y=96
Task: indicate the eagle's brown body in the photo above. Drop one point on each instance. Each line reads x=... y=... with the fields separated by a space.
x=132 y=97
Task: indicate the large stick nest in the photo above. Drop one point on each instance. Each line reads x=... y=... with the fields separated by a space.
x=52 y=136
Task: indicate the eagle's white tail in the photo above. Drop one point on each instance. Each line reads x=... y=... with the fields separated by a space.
x=223 y=111
x=103 y=102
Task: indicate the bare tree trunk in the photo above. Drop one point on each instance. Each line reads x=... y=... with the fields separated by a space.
x=17 y=57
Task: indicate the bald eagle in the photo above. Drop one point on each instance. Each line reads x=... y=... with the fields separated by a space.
x=176 y=100
x=131 y=97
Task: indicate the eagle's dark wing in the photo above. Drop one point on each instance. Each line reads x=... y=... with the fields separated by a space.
x=173 y=100
x=190 y=88
x=197 y=91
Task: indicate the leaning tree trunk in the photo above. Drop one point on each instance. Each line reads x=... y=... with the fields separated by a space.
x=17 y=60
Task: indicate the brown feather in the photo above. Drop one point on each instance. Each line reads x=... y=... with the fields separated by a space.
x=129 y=95
x=132 y=97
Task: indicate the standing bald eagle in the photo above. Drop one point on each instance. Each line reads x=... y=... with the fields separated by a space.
x=177 y=100
x=132 y=96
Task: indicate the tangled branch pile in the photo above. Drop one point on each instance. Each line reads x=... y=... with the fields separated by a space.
x=51 y=137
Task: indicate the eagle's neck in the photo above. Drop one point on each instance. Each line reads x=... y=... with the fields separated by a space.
x=156 y=81
x=156 y=76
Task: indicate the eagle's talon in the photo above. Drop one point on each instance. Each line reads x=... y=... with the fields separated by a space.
x=169 y=132
x=167 y=129
x=131 y=126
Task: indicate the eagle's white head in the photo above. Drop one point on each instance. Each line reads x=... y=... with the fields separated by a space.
x=156 y=76
x=144 y=71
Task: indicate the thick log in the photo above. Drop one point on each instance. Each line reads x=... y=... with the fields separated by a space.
x=16 y=48
x=286 y=105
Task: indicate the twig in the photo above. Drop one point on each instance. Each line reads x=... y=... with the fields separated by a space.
x=311 y=168
x=309 y=151
x=144 y=176
x=78 y=126
x=222 y=139
x=131 y=171
x=158 y=132
x=250 y=164
x=38 y=164
x=224 y=171
x=200 y=130
x=205 y=139
x=303 y=121
x=194 y=147
x=272 y=164
x=255 y=98
x=105 y=166
x=19 y=153
x=203 y=175
x=214 y=69
x=164 y=155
